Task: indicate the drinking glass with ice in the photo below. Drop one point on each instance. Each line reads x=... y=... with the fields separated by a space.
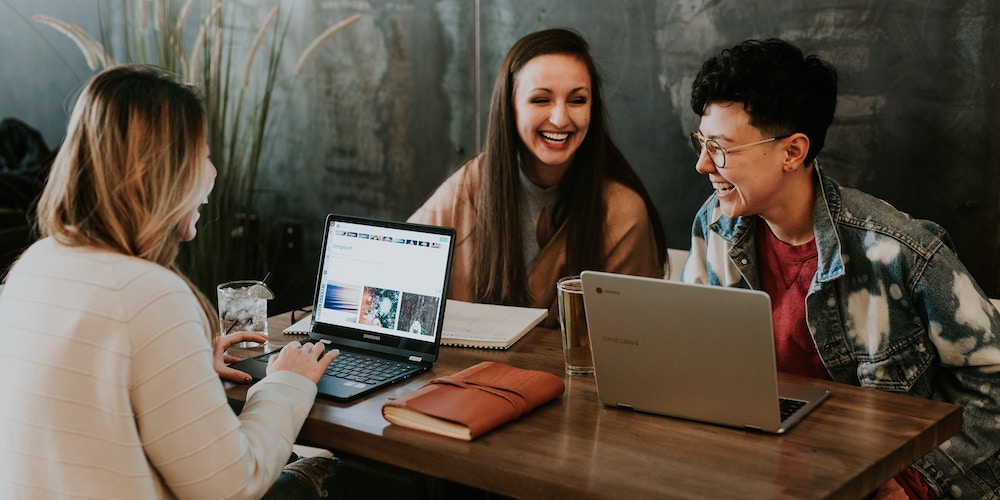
x=243 y=307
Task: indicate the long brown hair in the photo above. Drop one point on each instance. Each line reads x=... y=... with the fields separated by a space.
x=129 y=172
x=500 y=270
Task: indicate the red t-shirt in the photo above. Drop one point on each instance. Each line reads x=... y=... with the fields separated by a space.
x=786 y=271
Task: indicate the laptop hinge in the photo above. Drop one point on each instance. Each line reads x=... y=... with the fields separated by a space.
x=623 y=405
x=751 y=427
x=416 y=359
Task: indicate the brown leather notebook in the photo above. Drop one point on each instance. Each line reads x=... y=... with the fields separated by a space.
x=473 y=401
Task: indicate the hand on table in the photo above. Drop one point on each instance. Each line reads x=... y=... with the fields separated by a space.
x=222 y=360
x=306 y=359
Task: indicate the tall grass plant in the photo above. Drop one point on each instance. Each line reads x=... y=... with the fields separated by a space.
x=207 y=43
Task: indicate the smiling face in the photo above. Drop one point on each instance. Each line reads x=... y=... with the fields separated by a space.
x=753 y=178
x=552 y=101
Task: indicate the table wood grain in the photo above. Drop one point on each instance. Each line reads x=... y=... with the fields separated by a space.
x=574 y=446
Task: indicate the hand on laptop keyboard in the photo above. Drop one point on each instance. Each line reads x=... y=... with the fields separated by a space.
x=307 y=360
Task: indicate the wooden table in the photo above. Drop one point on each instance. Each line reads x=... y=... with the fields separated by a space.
x=576 y=447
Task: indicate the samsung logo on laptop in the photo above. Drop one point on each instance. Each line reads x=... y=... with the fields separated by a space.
x=620 y=340
x=372 y=337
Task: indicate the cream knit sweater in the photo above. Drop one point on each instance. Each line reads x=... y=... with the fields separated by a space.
x=107 y=388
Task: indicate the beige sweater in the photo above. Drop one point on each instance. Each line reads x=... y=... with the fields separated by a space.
x=630 y=242
x=107 y=388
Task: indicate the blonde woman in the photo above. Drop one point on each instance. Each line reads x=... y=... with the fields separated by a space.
x=111 y=384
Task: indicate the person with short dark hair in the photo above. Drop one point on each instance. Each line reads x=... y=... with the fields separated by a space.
x=861 y=293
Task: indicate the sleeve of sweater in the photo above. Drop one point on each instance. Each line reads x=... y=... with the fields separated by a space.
x=450 y=204
x=630 y=244
x=188 y=430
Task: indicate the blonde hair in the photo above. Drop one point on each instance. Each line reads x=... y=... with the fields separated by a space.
x=130 y=170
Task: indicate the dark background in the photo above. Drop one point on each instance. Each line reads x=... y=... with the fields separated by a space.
x=394 y=103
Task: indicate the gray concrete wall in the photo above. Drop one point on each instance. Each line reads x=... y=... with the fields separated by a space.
x=397 y=101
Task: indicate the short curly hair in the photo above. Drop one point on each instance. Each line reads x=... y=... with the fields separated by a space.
x=783 y=90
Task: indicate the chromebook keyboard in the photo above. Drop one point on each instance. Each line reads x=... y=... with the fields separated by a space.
x=789 y=406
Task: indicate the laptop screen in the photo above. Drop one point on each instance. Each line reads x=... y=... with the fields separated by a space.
x=381 y=285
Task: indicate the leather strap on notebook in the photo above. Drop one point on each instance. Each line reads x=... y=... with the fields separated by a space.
x=520 y=404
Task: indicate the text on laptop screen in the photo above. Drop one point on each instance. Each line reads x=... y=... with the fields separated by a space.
x=383 y=280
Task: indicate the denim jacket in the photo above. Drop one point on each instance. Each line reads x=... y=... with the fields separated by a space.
x=891 y=307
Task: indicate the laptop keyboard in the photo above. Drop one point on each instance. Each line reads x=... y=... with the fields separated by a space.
x=366 y=369
x=789 y=407
x=362 y=368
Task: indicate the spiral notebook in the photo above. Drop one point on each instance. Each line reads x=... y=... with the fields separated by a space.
x=490 y=326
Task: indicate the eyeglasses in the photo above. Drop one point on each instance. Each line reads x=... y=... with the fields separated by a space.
x=718 y=153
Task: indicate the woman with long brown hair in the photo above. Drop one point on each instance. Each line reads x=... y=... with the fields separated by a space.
x=550 y=194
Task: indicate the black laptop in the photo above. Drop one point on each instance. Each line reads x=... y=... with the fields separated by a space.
x=380 y=298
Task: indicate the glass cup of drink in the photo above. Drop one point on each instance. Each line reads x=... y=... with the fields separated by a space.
x=573 y=323
x=243 y=307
